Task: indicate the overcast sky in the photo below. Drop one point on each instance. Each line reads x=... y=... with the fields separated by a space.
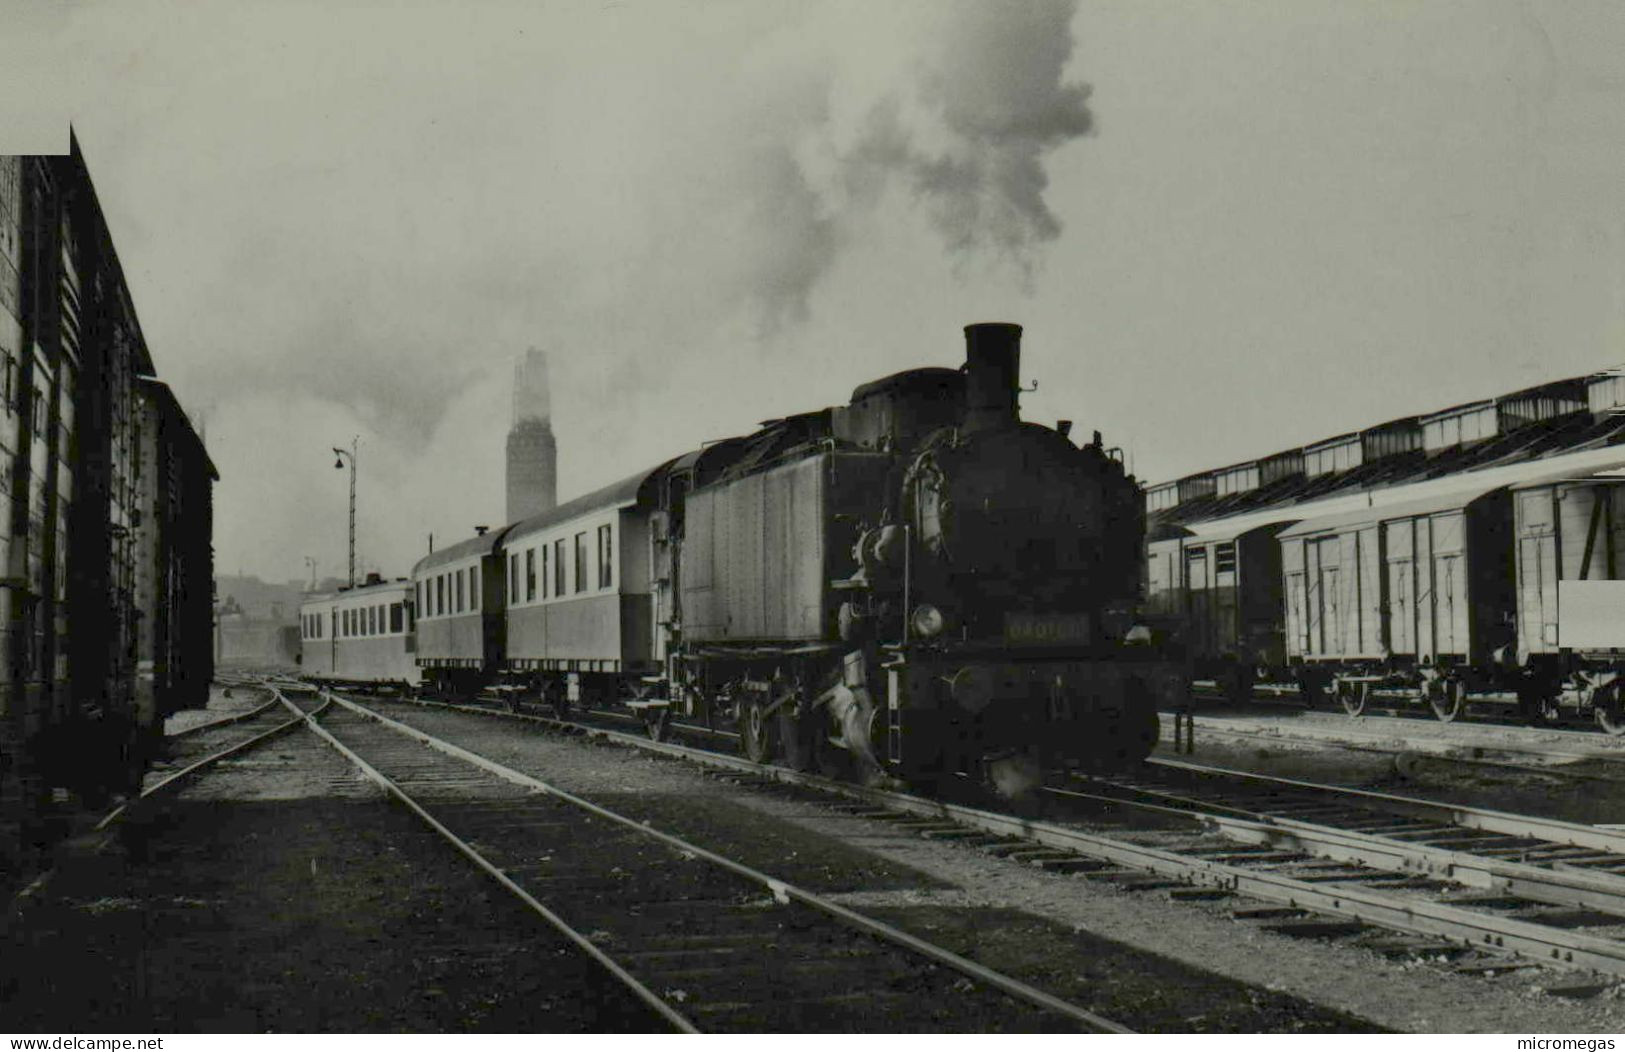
x=1228 y=227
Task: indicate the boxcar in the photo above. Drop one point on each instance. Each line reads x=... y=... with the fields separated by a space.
x=1423 y=582
x=1222 y=582
x=362 y=636
x=174 y=561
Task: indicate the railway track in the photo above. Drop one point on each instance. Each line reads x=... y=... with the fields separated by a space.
x=1479 y=886
x=705 y=941
x=1422 y=844
x=213 y=743
x=1580 y=765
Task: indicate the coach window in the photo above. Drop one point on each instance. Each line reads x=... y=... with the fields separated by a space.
x=513 y=577
x=458 y=581
x=581 y=561
x=474 y=588
x=545 y=578
x=605 y=572
x=530 y=574
x=558 y=567
x=397 y=618
x=440 y=595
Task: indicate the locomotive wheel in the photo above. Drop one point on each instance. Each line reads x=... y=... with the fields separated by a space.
x=1354 y=696
x=1609 y=708
x=755 y=732
x=1449 y=702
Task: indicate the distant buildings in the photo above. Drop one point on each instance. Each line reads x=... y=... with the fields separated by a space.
x=257 y=623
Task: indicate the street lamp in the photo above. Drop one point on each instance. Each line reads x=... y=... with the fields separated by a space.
x=339 y=463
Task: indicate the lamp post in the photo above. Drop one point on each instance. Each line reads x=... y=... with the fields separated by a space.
x=339 y=463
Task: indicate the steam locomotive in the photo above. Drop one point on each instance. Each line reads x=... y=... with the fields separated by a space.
x=911 y=586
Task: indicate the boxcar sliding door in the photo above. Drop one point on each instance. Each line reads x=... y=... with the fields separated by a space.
x=1451 y=609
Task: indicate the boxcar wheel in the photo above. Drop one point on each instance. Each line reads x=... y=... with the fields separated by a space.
x=1354 y=696
x=1449 y=701
x=755 y=732
x=1609 y=707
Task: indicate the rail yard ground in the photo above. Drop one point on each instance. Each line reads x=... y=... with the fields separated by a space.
x=282 y=892
x=1555 y=772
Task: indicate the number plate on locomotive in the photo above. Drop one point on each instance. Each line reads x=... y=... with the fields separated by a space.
x=1046 y=628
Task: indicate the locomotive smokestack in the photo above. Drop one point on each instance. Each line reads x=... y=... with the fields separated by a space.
x=992 y=375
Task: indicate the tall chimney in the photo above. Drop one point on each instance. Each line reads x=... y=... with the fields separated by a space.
x=992 y=375
x=532 y=453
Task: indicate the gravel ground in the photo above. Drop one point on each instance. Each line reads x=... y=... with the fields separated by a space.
x=1399 y=731
x=242 y=699
x=285 y=895
x=1408 y=773
x=1201 y=938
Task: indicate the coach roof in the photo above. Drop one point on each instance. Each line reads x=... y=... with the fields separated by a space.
x=480 y=545
x=615 y=495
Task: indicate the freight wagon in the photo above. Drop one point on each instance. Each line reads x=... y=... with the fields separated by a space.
x=1436 y=573
x=106 y=606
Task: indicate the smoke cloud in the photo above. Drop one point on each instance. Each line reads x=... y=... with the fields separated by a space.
x=983 y=99
x=334 y=230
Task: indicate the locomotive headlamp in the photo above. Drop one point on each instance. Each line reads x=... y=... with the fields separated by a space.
x=927 y=621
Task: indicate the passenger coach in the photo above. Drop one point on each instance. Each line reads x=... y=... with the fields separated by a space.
x=580 y=610
x=362 y=636
x=459 y=593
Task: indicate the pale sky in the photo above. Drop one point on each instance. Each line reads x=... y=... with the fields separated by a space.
x=1228 y=227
